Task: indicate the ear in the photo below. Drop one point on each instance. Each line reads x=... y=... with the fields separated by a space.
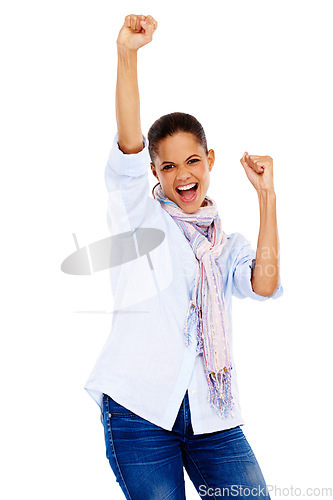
x=153 y=169
x=211 y=159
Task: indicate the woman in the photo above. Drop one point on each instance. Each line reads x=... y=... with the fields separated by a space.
x=165 y=380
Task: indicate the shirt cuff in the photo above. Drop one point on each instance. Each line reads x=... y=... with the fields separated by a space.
x=132 y=165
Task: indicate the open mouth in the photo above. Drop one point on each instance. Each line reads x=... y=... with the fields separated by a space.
x=188 y=195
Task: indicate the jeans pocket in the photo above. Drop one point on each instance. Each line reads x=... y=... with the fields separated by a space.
x=117 y=410
x=244 y=446
x=234 y=444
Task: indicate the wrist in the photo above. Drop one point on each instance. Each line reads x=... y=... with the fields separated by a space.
x=125 y=51
x=266 y=194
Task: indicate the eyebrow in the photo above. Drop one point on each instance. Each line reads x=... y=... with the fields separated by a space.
x=185 y=160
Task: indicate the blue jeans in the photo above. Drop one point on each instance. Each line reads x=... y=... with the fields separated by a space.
x=148 y=461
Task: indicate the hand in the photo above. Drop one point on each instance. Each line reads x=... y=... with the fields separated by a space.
x=259 y=170
x=136 y=32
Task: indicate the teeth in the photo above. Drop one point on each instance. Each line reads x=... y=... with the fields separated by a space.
x=184 y=188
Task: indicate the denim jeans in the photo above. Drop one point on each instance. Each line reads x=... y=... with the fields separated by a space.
x=148 y=461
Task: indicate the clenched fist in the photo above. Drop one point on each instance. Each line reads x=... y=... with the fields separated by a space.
x=259 y=170
x=136 y=32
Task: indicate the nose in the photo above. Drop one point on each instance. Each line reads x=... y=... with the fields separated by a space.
x=183 y=173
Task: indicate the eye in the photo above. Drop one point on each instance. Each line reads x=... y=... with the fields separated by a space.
x=168 y=167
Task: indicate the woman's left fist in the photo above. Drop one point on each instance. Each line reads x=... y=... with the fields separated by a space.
x=259 y=170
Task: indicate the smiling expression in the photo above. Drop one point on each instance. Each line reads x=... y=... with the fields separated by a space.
x=182 y=161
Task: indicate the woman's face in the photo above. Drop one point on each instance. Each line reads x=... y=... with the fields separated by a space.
x=181 y=161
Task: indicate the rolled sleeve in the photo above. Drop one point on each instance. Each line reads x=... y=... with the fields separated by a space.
x=126 y=179
x=243 y=265
x=131 y=165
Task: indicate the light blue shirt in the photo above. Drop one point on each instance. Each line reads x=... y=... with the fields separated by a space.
x=145 y=364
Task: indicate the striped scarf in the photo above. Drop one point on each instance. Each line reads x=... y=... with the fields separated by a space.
x=207 y=310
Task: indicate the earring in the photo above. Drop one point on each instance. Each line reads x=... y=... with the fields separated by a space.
x=154 y=188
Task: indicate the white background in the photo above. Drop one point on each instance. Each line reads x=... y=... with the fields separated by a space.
x=258 y=76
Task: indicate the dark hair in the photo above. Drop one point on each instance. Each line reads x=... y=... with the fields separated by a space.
x=170 y=124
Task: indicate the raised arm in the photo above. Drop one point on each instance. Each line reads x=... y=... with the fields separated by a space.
x=136 y=32
x=266 y=273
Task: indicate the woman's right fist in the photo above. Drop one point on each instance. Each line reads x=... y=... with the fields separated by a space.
x=136 y=32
